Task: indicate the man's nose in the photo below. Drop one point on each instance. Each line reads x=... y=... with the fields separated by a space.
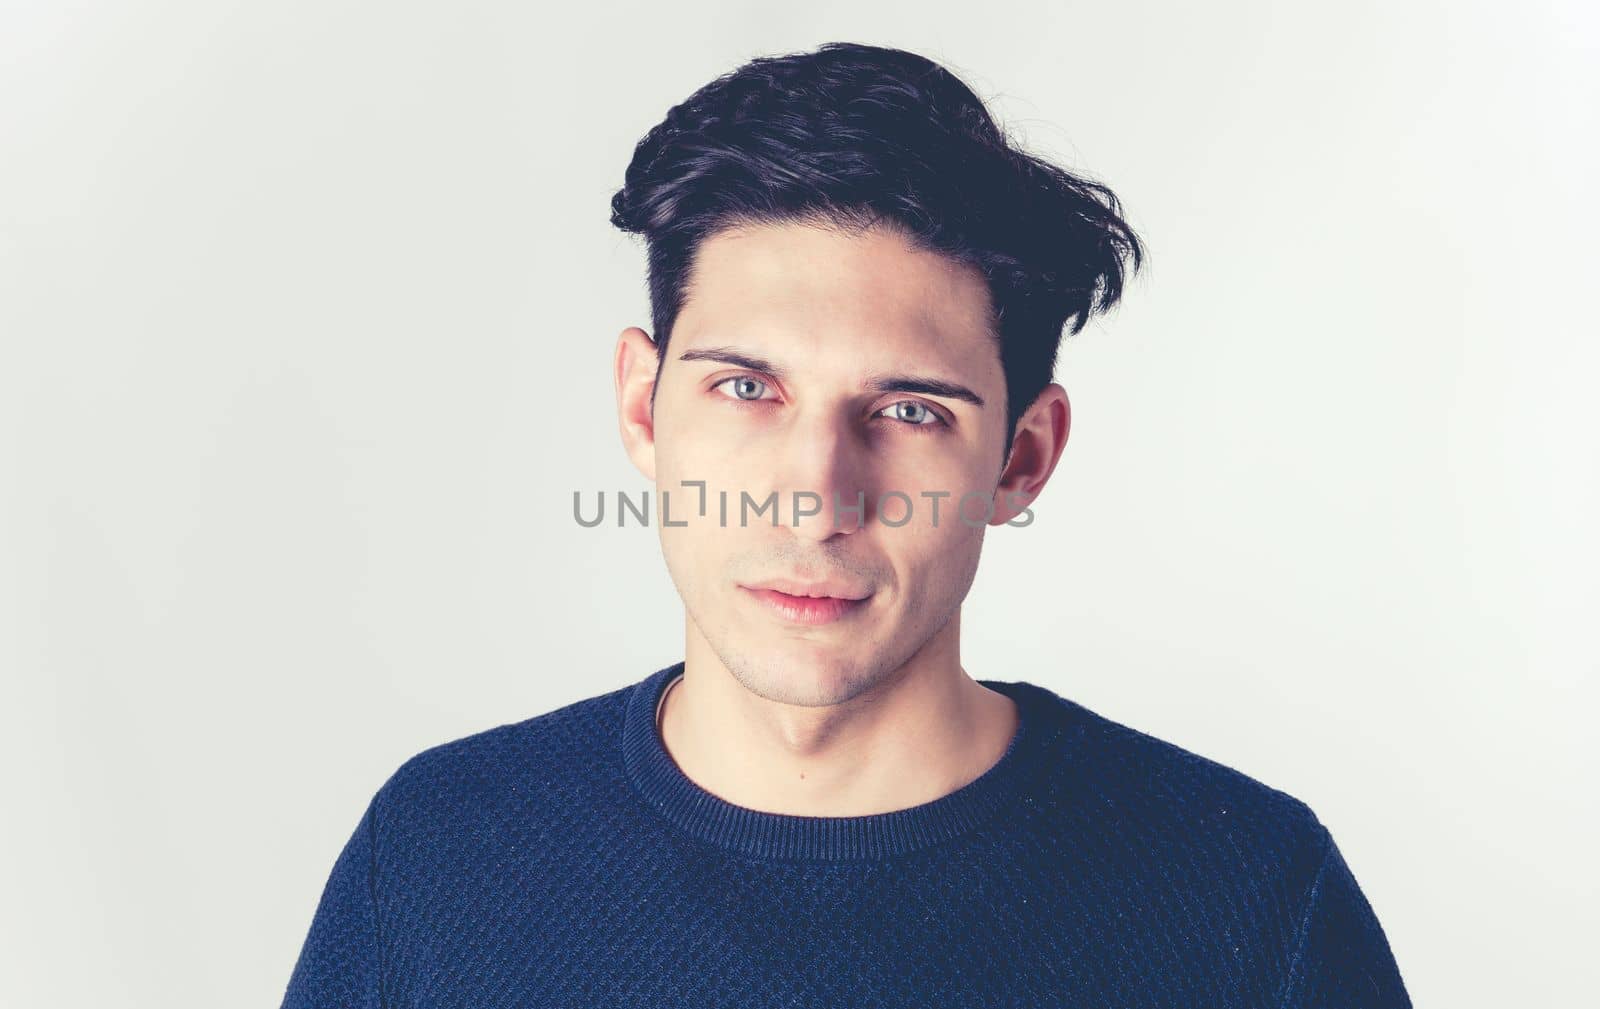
x=825 y=469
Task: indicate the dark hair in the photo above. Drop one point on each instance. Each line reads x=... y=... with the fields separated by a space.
x=852 y=135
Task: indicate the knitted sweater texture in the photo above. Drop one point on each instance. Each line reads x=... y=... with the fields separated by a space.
x=565 y=860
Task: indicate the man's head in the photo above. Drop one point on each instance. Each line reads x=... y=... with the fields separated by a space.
x=857 y=287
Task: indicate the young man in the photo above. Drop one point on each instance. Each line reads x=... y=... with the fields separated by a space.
x=857 y=288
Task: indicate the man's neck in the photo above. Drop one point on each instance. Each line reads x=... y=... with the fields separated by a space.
x=916 y=737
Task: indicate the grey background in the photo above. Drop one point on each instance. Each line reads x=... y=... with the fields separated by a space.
x=307 y=312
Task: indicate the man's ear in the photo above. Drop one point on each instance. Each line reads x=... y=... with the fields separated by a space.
x=634 y=369
x=1035 y=449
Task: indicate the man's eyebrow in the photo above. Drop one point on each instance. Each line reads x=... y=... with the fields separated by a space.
x=925 y=387
x=880 y=383
x=727 y=355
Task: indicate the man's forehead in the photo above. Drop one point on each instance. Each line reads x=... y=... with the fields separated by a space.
x=782 y=302
x=833 y=346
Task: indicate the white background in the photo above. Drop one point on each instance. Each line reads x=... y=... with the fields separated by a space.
x=307 y=313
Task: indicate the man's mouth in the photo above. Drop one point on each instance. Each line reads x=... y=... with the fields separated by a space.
x=810 y=610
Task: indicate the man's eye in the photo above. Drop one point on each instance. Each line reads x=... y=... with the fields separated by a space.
x=908 y=412
x=912 y=413
x=744 y=387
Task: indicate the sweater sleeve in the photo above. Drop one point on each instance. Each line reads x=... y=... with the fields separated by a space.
x=1343 y=958
x=339 y=963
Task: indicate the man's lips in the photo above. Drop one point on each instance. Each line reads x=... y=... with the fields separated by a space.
x=838 y=588
x=808 y=610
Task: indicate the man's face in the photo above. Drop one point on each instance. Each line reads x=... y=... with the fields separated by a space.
x=780 y=377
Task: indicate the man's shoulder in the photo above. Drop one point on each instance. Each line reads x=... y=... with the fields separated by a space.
x=1133 y=782
x=546 y=753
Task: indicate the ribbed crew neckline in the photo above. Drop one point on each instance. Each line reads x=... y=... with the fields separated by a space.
x=696 y=811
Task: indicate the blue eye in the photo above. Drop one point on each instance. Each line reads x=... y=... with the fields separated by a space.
x=742 y=385
x=912 y=414
x=908 y=412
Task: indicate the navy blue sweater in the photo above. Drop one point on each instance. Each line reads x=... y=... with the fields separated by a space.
x=565 y=860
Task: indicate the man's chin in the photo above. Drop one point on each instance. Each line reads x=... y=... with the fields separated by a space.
x=803 y=673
